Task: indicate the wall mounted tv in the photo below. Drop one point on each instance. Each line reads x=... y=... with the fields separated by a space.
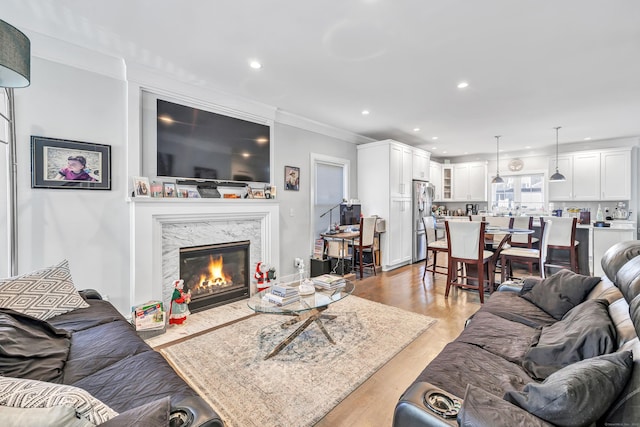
x=198 y=144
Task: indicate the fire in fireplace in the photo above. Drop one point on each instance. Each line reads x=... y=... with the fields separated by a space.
x=215 y=274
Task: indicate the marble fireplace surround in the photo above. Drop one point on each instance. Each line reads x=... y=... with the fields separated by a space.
x=161 y=226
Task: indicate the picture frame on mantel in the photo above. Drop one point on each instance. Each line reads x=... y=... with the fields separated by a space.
x=292 y=178
x=66 y=164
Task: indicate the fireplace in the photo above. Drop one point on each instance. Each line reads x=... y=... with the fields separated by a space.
x=215 y=274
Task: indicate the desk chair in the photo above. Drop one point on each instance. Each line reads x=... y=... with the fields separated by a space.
x=466 y=245
x=434 y=245
x=364 y=243
x=527 y=255
x=564 y=238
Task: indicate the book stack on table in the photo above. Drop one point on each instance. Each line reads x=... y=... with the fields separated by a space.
x=282 y=294
x=329 y=282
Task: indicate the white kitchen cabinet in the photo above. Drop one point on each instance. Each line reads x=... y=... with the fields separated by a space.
x=602 y=175
x=420 y=169
x=399 y=233
x=615 y=175
x=400 y=168
x=447 y=182
x=384 y=189
x=586 y=176
x=470 y=181
x=435 y=178
x=561 y=190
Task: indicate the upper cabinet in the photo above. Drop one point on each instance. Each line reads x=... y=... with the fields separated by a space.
x=590 y=175
x=421 y=164
x=469 y=181
x=400 y=169
x=447 y=182
x=435 y=178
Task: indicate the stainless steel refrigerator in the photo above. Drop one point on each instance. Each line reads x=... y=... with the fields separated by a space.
x=422 y=198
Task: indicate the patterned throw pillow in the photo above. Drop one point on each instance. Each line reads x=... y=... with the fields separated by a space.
x=42 y=294
x=21 y=393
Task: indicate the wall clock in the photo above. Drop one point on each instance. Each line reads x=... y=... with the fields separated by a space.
x=516 y=165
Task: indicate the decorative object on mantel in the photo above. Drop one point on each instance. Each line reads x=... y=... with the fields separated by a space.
x=156 y=189
x=497 y=179
x=292 y=178
x=557 y=177
x=257 y=193
x=141 y=186
x=61 y=163
x=179 y=303
x=169 y=189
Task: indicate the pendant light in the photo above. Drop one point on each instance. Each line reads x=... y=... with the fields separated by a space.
x=557 y=177
x=497 y=179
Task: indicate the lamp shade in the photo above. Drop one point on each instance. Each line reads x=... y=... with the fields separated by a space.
x=15 y=57
x=557 y=177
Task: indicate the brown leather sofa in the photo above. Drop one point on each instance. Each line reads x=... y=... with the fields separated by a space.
x=486 y=376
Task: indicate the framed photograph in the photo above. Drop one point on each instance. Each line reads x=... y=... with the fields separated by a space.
x=291 y=178
x=188 y=192
x=169 y=189
x=258 y=193
x=156 y=189
x=61 y=163
x=141 y=187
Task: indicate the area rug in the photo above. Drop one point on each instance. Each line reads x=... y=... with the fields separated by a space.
x=307 y=379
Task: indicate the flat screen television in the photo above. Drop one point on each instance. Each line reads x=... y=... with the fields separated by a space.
x=198 y=144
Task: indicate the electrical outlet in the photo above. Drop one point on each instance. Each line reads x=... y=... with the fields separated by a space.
x=297 y=262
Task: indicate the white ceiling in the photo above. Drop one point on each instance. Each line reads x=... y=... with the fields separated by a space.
x=531 y=65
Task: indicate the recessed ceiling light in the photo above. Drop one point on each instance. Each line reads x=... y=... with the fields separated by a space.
x=462 y=85
x=527 y=146
x=588 y=138
x=434 y=137
x=416 y=129
x=434 y=148
x=466 y=152
x=255 y=64
x=444 y=152
x=365 y=112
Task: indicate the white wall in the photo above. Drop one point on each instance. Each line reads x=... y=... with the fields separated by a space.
x=87 y=227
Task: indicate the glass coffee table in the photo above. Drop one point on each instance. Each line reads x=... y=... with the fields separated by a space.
x=306 y=310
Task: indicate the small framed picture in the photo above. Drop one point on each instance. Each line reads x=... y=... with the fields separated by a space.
x=156 y=189
x=66 y=164
x=169 y=189
x=249 y=193
x=291 y=178
x=141 y=187
x=258 y=193
x=188 y=191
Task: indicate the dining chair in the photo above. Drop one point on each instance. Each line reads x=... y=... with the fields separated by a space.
x=476 y=217
x=465 y=242
x=563 y=239
x=493 y=240
x=434 y=246
x=527 y=255
x=524 y=240
x=364 y=244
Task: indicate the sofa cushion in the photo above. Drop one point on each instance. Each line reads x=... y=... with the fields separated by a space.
x=43 y=293
x=578 y=394
x=585 y=331
x=625 y=411
x=152 y=414
x=482 y=409
x=561 y=292
x=628 y=279
x=23 y=393
x=460 y=364
x=98 y=313
x=504 y=338
x=31 y=348
x=510 y=306
x=617 y=256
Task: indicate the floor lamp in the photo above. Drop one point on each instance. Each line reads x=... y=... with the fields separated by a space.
x=15 y=72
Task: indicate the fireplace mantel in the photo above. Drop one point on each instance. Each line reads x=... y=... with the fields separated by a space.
x=149 y=215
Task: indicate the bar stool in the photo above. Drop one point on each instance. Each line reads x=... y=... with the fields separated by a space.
x=434 y=245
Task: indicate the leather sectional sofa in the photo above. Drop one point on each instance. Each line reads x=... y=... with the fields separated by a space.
x=574 y=363
x=110 y=361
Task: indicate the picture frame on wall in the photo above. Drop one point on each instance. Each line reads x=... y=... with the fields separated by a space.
x=66 y=164
x=141 y=186
x=292 y=178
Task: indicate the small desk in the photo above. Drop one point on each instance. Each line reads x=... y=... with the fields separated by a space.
x=343 y=245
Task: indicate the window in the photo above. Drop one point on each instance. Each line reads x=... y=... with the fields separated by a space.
x=519 y=194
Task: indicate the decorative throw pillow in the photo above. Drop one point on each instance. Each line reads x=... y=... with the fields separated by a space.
x=58 y=416
x=42 y=294
x=561 y=292
x=578 y=394
x=21 y=393
x=585 y=331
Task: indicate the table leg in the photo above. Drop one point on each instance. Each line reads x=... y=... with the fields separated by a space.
x=307 y=318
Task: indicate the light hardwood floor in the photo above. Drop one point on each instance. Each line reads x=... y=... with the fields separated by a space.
x=372 y=404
